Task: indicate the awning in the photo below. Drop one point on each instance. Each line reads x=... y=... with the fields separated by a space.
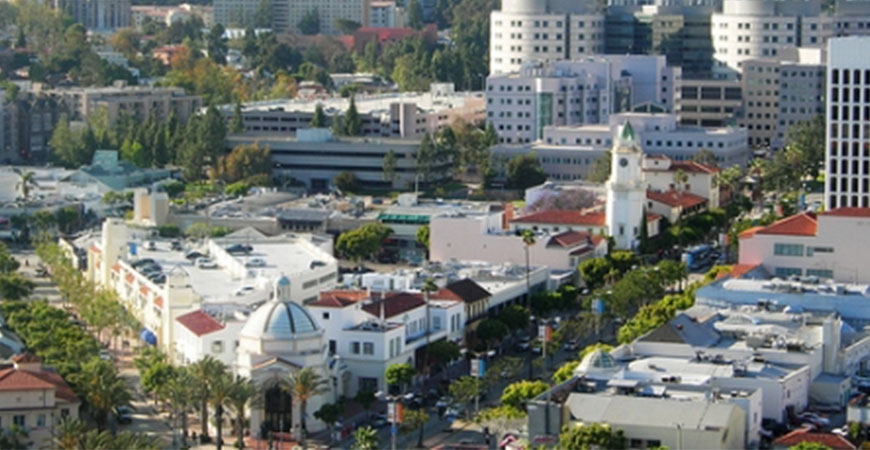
x=148 y=336
x=404 y=218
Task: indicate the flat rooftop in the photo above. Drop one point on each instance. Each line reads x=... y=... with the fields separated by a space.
x=365 y=103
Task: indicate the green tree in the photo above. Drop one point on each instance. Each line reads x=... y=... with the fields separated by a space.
x=705 y=156
x=443 y=351
x=807 y=141
x=515 y=317
x=303 y=385
x=263 y=16
x=591 y=436
x=245 y=163
x=26 y=181
x=517 y=394
x=319 y=118
x=528 y=237
x=491 y=330
x=365 y=398
x=346 y=181
x=237 y=124
x=362 y=242
x=352 y=120
x=344 y=26
x=221 y=391
x=104 y=390
x=14 y=286
x=423 y=236
x=365 y=438
x=204 y=374
x=65 y=148
x=524 y=171
x=809 y=446
x=242 y=392
x=623 y=260
x=592 y=347
x=464 y=389
x=415 y=14
x=217 y=44
x=329 y=413
x=399 y=375
x=566 y=372
x=390 y=164
x=426 y=158
x=310 y=23
x=600 y=170
x=415 y=419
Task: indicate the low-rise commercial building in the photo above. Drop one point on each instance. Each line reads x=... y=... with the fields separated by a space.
x=137 y=102
x=710 y=102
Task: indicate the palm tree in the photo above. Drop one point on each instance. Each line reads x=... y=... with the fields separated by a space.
x=179 y=391
x=428 y=286
x=680 y=179
x=221 y=392
x=242 y=393
x=528 y=241
x=303 y=385
x=204 y=372
x=104 y=390
x=365 y=438
x=26 y=180
x=68 y=433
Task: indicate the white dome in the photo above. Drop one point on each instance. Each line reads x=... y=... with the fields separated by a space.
x=281 y=321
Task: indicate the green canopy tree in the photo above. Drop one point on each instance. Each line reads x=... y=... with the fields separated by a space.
x=524 y=171
x=390 y=164
x=362 y=242
x=318 y=120
x=591 y=436
x=491 y=330
x=304 y=385
x=365 y=438
x=515 y=317
x=399 y=375
x=352 y=120
x=415 y=14
x=517 y=394
x=600 y=170
x=443 y=351
x=309 y=25
x=104 y=390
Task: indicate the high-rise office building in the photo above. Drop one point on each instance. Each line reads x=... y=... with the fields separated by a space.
x=97 y=15
x=847 y=117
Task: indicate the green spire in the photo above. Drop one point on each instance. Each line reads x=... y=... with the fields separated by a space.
x=627 y=134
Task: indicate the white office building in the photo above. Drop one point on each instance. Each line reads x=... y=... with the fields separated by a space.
x=536 y=30
x=848 y=124
x=579 y=92
x=748 y=29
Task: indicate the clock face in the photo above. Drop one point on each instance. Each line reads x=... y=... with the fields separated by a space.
x=623 y=162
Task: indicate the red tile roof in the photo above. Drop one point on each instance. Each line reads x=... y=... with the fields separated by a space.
x=830 y=440
x=130 y=278
x=738 y=270
x=676 y=199
x=144 y=290
x=569 y=239
x=25 y=380
x=562 y=217
x=464 y=290
x=116 y=267
x=95 y=249
x=652 y=217
x=339 y=298
x=200 y=322
x=848 y=212
x=25 y=358
x=159 y=302
x=693 y=167
x=749 y=233
x=803 y=224
x=395 y=304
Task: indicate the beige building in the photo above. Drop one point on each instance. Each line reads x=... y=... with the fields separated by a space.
x=139 y=102
x=287 y=14
x=709 y=103
x=97 y=15
x=35 y=399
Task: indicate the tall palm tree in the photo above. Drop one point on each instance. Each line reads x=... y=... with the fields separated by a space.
x=303 y=385
x=104 y=389
x=204 y=372
x=26 y=180
x=68 y=433
x=428 y=286
x=179 y=392
x=242 y=393
x=528 y=241
x=221 y=392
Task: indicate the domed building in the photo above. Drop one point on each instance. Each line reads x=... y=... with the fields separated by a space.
x=279 y=339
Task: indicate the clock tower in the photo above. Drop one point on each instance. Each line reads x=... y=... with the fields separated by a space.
x=626 y=192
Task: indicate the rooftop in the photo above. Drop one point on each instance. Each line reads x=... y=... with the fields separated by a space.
x=649 y=412
x=676 y=198
x=803 y=224
x=200 y=322
x=829 y=440
x=394 y=304
x=562 y=217
x=465 y=290
x=12 y=379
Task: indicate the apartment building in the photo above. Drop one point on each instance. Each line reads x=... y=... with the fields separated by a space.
x=287 y=14
x=26 y=125
x=533 y=30
x=848 y=124
x=780 y=92
x=97 y=15
x=749 y=29
x=386 y=14
x=710 y=102
x=138 y=102
x=579 y=92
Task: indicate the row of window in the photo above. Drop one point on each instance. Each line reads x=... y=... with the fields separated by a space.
x=844 y=185
x=844 y=200
x=785 y=272
x=782 y=249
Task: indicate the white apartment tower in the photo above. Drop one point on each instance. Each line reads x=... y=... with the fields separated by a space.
x=626 y=193
x=848 y=124
x=541 y=30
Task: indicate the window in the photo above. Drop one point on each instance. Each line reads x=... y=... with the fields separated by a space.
x=333 y=346
x=40 y=420
x=436 y=323
x=19 y=420
x=368 y=348
x=326 y=316
x=812 y=250
x=217 y=347
x=821 y=273
x=785 y=272
x=354 y=348
x=64 y=413
x=367 y=384
x=788 y=249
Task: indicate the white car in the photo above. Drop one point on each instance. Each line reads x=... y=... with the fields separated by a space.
x=256 y=262
x=205 y=263
x=244 y=290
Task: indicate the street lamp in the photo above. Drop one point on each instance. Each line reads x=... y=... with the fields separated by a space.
x=394 y=414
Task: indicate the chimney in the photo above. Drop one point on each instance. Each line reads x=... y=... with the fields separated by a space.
x=383 y=308
x=508 y=216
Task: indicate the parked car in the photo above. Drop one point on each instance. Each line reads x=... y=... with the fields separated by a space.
x=151 y=245
x=522 y=347
x=244 y=290
x=571 y=346
x=814 y=419
x=124 y=415
x=176 y=245
x=239 y=248
x=142 y=262
x=158 y=278
x=256 y=262
x=380 y=421
x=205 y=263
x=193 y=255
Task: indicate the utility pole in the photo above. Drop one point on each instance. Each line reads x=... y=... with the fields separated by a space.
x=544 y=335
